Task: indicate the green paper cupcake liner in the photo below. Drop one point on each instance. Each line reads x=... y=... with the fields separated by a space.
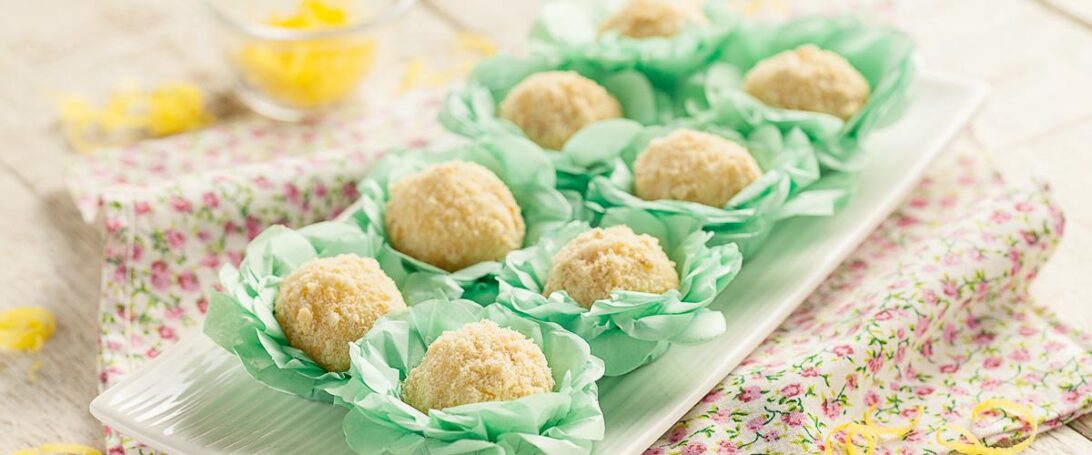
x=565 y=421
x=472 y=111
x=240 y=319
x=787 y=188
x=520 y=164
x=571 y=28
x=883 y=55
x=629 y=329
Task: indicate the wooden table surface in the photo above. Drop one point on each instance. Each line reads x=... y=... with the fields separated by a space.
x=1038 y=123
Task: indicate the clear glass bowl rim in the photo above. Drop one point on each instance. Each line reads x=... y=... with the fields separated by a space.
x=271 y=33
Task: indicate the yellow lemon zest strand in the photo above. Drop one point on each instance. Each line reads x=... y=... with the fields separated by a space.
x=32 y=372
x=475 y=43
x=976 y=447
x=78 y=119
x=175 y=108
x=473 y=46
x=869 y=431
x=311 y=73
x=59 y=448
x=171 y=108
x=26 y=328
x=411 y=78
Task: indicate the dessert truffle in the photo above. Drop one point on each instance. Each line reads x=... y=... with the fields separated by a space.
x=478 y=362
x=693 y=166
x=552 y=106
x=599 y=261
x=327 y=303
x=649 y=18
x=808 y=79
x=454 y=215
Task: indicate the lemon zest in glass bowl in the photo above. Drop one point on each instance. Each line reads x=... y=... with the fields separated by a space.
x=312 y=73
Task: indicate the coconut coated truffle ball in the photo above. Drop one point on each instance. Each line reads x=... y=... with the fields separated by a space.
x=552 y=106
x=693 y=166
x=648 y=19
x=454 y=215
x=478 y=362
x=809 y=79
x=599 y=261
x=327 y=303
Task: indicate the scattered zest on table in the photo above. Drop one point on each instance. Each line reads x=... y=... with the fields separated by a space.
x=26 y=328
x=869 y=430
x=975 y=447
x=131 y=113
x=59 y=448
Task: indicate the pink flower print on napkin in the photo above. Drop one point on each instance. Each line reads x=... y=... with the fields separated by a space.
x=161 y=275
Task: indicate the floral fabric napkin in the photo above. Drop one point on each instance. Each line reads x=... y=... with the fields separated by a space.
x=932 y=311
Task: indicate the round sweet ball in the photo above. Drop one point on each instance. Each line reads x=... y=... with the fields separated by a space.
x=327 y=303
x=808 y=79
x=552 y=106
x=475 y=363
x=454 y=215
x=648 y=19
x=599 y=261
x=689 y=165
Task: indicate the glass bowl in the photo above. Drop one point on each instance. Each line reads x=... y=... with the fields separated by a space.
x=293 y=58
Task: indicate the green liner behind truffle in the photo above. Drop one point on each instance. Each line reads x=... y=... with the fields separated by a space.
x=564 y=421
x=629 y=329
x=240 y=319
x=519 y=163
x=882 y=55
x=786 y=188
x=571 y=28
x=471 y=111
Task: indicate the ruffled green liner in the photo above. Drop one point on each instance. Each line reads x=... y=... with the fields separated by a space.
x=240 y=319
x=518 y=162
x=882 y=55
x=565 y=421
x=629 y=329
x=571 y=28
x=471 y=111
x=787 y=187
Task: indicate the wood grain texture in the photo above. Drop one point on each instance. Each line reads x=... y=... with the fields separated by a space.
x=1037 y=54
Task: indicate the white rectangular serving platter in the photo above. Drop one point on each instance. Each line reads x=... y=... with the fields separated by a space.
x=196 y=398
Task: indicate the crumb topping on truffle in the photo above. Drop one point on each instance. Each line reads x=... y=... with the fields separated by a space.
x=552 y=106
x=693 y=166
x=649 y=18
x=809 y=79
x=476 y=363
x=454 y=215
x=327 y=303
x=599 y=261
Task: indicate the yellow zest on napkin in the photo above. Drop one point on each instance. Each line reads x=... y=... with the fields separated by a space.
x=976 y=447
x=59 y=448
x=312 y=73
x=25 y=328
x=469 y=47
x=870 y=431
x=130 y=113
